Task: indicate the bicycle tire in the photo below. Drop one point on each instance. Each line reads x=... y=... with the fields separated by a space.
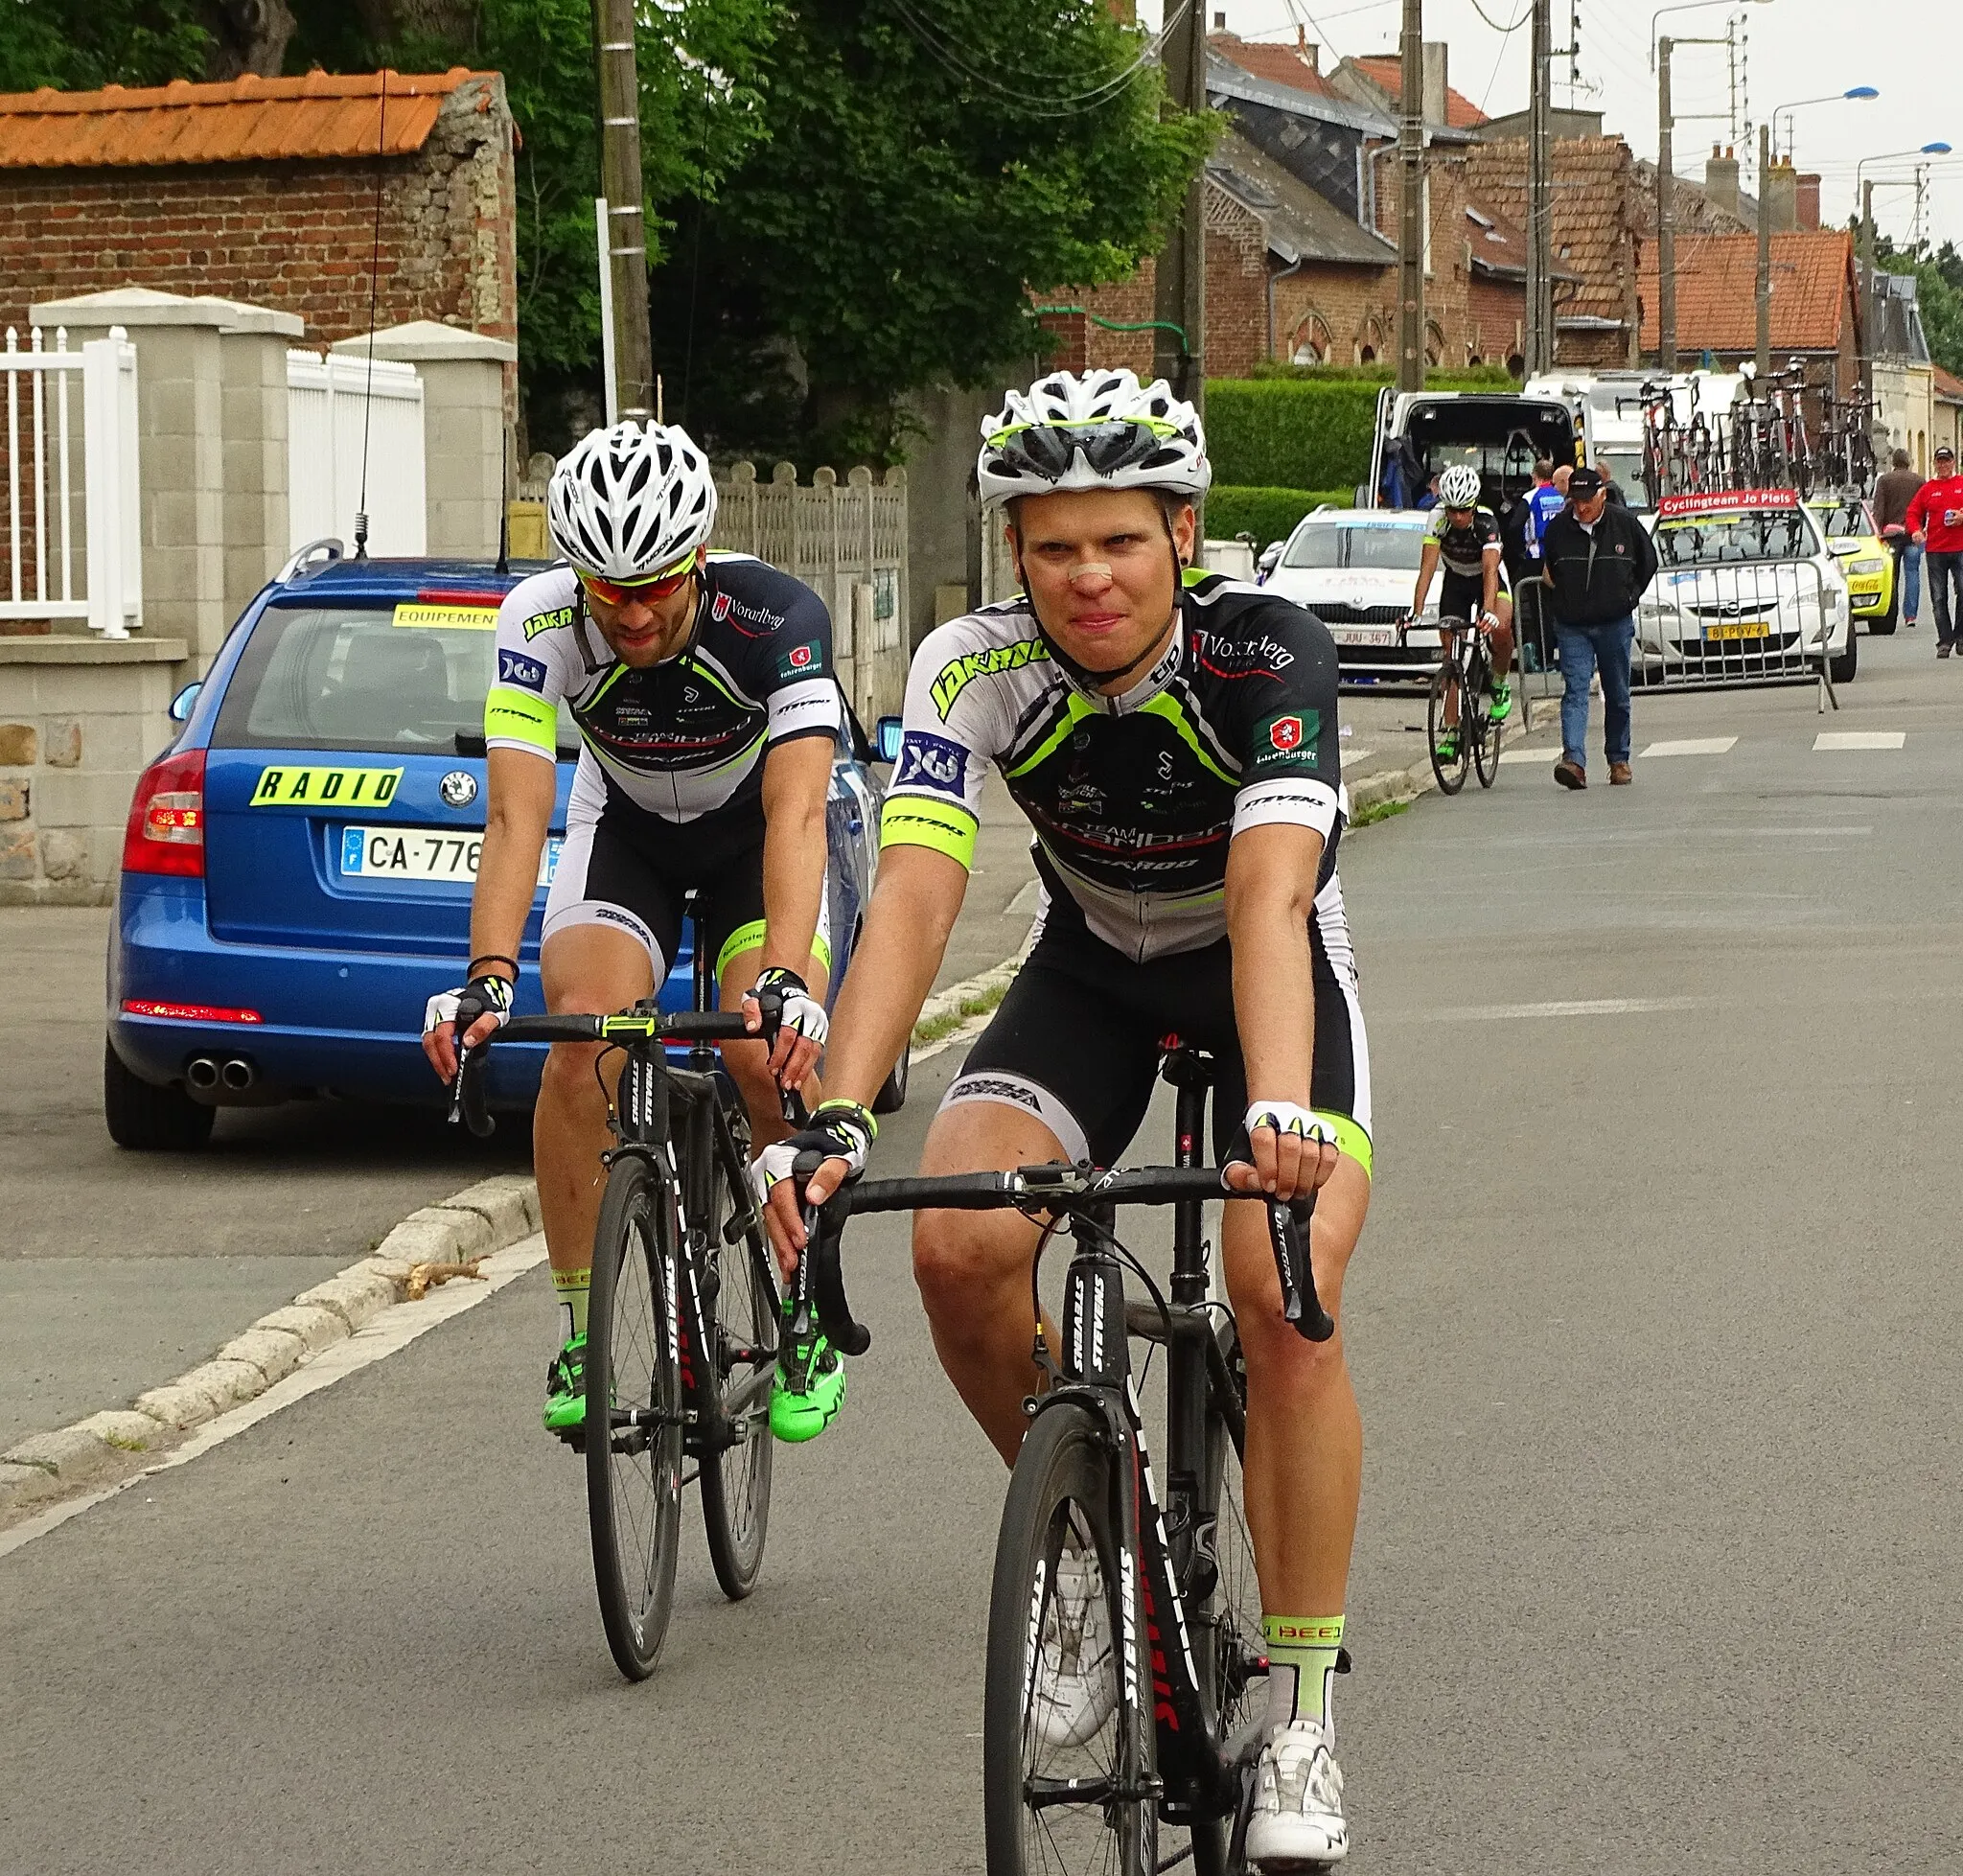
x=1476 y=726
x=1451 y=776
x=1062 y=1486
x=740 y=1305
x=634 y=1474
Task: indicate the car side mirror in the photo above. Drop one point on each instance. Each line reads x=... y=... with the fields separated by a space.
x=887 y=734
x=184 y=700
x=1843 y=549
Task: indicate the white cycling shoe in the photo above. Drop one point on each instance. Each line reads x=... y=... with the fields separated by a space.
x=1298 y=1821
x=1076 y=1679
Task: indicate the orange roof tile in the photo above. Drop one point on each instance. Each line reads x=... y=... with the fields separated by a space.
x=1386 y=71
x=1590 y=235
x=1716 y=280
x=248 y=120
x=1280 y=64
x=1948 y=386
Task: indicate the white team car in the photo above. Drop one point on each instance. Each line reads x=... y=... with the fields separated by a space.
x=1746 y=588
x=1356 y=569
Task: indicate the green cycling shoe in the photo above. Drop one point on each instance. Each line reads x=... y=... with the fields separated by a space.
x=565 y=1391
x=1502 y=700
x=1447 y=745
x=809 y=1387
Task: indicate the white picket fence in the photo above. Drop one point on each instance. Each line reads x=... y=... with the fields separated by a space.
x=74 y=536
x=332 y=409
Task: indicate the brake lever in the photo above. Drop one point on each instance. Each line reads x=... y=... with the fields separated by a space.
x=1288 y=1232
x=467 y=1094
x=819 y=1279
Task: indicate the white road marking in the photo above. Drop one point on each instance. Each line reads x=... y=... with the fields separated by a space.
x=1692 y=746
x=1547 y=753
x=1861 y=739
x=391 y=1331
x=1504 y=1012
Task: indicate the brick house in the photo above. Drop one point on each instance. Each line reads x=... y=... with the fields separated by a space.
x=264 y=190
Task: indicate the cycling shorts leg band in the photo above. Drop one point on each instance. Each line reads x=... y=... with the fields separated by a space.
x=1350 y=1139
x=1032 y=1098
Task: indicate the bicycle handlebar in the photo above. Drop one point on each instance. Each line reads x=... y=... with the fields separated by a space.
x=1058 y=1188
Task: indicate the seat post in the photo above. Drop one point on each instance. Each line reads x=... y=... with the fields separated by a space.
x=1190 y=1072
x=703 y=1055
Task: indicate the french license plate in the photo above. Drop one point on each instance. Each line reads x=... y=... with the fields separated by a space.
x=1364 y=635
x=1737 y=629
x=423 y=854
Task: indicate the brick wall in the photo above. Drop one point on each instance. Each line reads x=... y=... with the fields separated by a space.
x=295 y=236
x=1496 y=319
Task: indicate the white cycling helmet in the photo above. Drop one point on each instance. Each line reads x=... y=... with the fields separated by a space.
x=1459 y=487
x=628 y=502
x=1102 y=430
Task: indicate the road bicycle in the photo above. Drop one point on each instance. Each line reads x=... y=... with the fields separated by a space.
x=1093 y=1570
x=682 y=1321
x=1460 y=706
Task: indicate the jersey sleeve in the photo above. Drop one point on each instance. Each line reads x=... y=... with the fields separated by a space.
x=952 y=729
x=1289 y=742
x=521 y=706
x=793 y=671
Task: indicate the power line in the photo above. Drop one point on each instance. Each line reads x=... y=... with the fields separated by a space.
x=1503 y=31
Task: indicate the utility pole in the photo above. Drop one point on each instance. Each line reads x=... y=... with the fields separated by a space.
x=620 y=182
x=1865 y=273
x=1180 y=277
x=1539 y=204
x=1764 y=294
x=1666 y=216
x=1411 y=203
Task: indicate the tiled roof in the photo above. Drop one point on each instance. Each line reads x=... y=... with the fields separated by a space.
x=1282 y=64
x=1692 y=210
x=1498 y=246
x=1716 y=278
x=1386 y=71
x=248 y=119
x=1948 y=386
x=1590 y=231
x=1300 y=224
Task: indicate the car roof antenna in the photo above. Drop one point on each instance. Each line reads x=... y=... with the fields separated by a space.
x=503 y=499
x=373 y=285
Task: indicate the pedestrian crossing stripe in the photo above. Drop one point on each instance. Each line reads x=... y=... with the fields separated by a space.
x=1693 y=745
x=1831 y=739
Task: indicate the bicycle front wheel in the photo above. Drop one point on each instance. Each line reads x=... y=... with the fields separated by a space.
x=1448 y=768
x=1067 y=1764
x=1475 y=717
x=634 y=1412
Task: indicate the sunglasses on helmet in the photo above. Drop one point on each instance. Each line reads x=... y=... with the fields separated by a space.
x=1048 y=448
x=658 y=585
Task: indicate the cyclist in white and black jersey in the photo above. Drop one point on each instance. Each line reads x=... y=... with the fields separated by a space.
x=1173 y=740
x=701 y=686
x=1463 y=539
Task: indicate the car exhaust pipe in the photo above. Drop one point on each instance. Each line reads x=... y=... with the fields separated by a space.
x=202 y=1073
x=238 y=1074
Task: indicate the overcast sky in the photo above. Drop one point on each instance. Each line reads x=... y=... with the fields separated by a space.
x=1920 y=101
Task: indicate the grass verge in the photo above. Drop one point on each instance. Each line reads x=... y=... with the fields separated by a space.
x=933 y=1027
x=1377 y=811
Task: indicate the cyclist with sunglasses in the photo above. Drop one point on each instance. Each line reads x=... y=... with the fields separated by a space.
x=1465 y=540
x=1172 y=737
x=702 y=688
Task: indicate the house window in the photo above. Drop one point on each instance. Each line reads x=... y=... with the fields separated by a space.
x=1434 y=343
x=1312 y=341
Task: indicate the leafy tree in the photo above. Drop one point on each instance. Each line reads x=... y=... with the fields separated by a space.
x=81 y=45
x=929 y=163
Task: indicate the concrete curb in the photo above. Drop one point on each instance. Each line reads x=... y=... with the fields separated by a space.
x=482 y=1218
x=1384 y=786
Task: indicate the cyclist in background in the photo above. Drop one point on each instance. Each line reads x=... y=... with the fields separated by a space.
x=702 y=686
x=1465 y=540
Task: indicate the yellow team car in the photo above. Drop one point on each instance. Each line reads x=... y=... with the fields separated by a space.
x=1849 y=525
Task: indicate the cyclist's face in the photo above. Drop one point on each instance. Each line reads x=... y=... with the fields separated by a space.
x=1100 y=571
x=1458 y=517
x=642 y=631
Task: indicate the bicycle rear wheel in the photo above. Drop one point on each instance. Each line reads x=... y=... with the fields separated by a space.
x=634 y=1413
x=740 y=1302
x=1061 y=1798
x=1450 y=771
x=1475 y=717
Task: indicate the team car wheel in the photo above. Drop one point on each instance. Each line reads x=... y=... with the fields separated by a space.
x=892 y=1091
x=1840 y=668
x=146 y=1119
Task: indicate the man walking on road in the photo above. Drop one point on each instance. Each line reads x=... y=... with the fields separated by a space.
x=1893 y=492
x=1935 y=519
x=1598 y=559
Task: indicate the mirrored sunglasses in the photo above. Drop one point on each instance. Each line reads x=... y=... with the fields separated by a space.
x=1048 y=448
x=624 y=593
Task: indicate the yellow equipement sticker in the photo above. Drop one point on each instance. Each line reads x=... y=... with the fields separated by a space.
x=448 y=619
x=340 y=788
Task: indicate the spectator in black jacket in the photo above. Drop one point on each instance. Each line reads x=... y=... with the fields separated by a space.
x=1600 y=560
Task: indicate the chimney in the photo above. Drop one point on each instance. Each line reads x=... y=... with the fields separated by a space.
x=1776 y=199
x=1721 y=178
x=1306 y=49
x=1435 y=80
x=1806 y=202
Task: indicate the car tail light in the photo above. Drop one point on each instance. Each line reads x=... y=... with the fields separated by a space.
x=166 y=830
x=188 y=1012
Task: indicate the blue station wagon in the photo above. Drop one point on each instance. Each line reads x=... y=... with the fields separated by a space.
x=297 y=866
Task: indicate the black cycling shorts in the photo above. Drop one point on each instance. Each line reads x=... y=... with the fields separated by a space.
x=1077 y=1039
x=1462 y=595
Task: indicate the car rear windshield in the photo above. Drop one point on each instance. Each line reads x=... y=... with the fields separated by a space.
x=358 y=677
x=1396 y=549
x=1784 y=534
x=1842 y=516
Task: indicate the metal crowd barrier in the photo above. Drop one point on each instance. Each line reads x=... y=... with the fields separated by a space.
x=1734 y=623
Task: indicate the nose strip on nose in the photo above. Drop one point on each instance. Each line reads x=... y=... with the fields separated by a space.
x=1100 y=568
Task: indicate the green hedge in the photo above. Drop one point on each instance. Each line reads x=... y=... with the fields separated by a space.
x=1468 y=378
x=1266 y=514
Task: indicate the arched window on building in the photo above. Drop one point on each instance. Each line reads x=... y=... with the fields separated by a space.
x=1312 y=341
x=1434 y=343
x=1369 y=341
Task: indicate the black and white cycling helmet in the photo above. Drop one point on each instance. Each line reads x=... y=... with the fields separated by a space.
x=629 y=501
x=1459 y=487
x=1101 y=430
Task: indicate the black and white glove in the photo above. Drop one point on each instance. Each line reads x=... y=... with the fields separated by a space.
x=1288 y=1117
x=839 y=1131
x=799 y=1013
x=482 y=996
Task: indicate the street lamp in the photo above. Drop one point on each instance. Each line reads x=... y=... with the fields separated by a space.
x=1857 y=94
x=1865 y=189
x=1687 y=7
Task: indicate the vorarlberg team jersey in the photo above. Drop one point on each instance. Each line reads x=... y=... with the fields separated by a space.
x=683 y=739
x=1134 y=798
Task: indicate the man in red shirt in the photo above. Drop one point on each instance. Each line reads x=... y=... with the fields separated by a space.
x=1935 y=517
